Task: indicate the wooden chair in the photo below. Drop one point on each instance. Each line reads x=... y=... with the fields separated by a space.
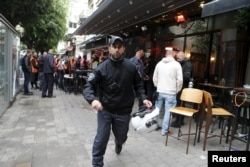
x=192 y=96
x=208 y=113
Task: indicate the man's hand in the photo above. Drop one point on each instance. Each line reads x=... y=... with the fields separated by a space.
x=96 y=105
x=147 y=103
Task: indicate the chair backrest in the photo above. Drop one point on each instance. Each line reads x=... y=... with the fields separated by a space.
x=207 y=104
x=192 y=95
x=208 y=98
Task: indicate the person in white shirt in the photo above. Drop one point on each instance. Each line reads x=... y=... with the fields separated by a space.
x=168 y=80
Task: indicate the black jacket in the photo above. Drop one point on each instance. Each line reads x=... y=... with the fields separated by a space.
x=26 y=67
x=114 y=85
x=48 y=64
x=41 y=62
x=187 y=72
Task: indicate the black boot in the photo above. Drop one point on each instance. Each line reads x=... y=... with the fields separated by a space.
x=178 y=122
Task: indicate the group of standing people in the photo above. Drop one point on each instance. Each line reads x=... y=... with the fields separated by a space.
x=43 y=67
x=49 y=69
x=113 y=86
x=30 y=67
x=65 y=65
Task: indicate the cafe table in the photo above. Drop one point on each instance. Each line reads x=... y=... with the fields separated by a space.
x=68 y=83
x=80 y=80
x=220 y=90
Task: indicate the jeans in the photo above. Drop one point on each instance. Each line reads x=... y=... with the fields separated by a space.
x=170 y=101
x=60 y=78
x=106 y=121
x=26 y=82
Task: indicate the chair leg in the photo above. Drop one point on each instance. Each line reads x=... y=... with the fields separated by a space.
x=189 y=131
x=232 y=132
x=202 y=117
x=196 y=131
x=248 y=140
x=170 y=115
x=236 y=111
x=223 y=127
x=208 y=123
x=227 y=123
x=221 y=134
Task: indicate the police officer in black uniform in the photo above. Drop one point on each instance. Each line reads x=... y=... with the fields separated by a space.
x=115 y=79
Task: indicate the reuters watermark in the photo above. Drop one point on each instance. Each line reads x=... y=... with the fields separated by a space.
x=223 y=158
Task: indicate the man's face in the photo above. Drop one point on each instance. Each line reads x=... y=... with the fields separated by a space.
x=142 y=53
x=116 y=50
x=29 y=53
x=180 y=57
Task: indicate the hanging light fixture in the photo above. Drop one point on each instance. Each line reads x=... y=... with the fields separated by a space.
x=144 y=28
x=168 y=48
x=180 y=18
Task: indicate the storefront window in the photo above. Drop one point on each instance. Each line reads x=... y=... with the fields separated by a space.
x=15 y=64
x=2 y=60
x=9 y=43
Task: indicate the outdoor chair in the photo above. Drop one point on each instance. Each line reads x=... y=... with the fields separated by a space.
x=192 y=96
x=241 y=108
x=208 y=112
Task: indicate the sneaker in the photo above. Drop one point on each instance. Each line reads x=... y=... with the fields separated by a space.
x=169 y=133
x=118 y=148
x=28 y=93
x=51 y=96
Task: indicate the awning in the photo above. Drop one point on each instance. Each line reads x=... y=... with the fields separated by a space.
x=69 y=49
x=114 y=15
x=98 y=41
x=92 y=39
x=222 y=6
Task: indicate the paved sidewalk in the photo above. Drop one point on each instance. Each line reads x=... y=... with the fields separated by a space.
x=59 y=132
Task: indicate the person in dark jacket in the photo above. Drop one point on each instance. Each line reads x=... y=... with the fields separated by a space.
x=187 y=74
x=48 y=70
x=26 y=67
x=137 y=61
x=41 y=74
x=115 y=81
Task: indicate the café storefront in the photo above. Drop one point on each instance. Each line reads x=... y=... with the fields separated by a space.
x=216 y=46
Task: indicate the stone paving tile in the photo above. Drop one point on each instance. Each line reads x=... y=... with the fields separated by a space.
x=59 y=132
x=27 y=164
